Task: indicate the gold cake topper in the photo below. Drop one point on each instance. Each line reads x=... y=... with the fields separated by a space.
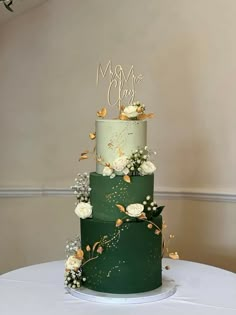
x=120 y=82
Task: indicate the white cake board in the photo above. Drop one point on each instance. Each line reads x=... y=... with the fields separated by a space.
x=167 y=289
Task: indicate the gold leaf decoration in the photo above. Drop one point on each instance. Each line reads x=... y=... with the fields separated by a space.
x=139 y=110
x=85 y=152
x=95 y=245
x=144 y=116
x=119 y=222
x=141 y=116
x=142 y=216
x=102 y=113
x=126 y=178
x=92 y=135
x=121 y=208
x=83 y=157
x=79 y=254
x=100 y=250
x=174 y=255
x=123 y=117
x=88 y=248
x=157 y=232
x=151 y=115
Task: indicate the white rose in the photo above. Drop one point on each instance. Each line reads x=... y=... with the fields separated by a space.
x=107 y=171
x=73 y=263
x=130 y=111
x=83 y=210
x=135 y=209
x=147 y=168
x=120 y=163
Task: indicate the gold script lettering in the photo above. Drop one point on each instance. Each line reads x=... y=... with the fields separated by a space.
x=117 y=81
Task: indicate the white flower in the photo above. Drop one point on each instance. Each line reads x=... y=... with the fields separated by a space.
x=134 y=209
x=131 y=111
x=120 y=163
x=73 y=263
x=107 y=171
x=126 y=171
x=147 y=168
x=83 y=210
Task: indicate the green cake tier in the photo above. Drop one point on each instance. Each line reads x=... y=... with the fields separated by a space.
x=107 y=192
x=115 y=137
x=130 y=256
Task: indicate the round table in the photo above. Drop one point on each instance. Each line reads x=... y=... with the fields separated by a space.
x=38 y=289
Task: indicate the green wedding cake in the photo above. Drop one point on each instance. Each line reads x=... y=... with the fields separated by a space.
x=121 y=225
x=121 y=244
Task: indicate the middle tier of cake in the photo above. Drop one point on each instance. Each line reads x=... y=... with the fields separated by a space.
x=106 y=193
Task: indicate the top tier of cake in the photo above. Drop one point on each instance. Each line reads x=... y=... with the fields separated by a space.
x=116 y=138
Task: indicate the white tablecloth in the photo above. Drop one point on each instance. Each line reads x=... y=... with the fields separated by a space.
x=38 y=289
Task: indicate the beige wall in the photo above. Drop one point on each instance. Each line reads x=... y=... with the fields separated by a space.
x=186 y=52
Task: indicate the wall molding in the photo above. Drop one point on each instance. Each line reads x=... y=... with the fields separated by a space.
x=162 y=193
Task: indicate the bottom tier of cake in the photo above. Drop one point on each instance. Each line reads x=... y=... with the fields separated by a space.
x=124 y=259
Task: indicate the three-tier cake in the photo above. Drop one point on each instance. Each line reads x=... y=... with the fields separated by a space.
x=121 y=224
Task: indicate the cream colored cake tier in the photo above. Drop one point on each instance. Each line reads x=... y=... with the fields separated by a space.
x=115 y=138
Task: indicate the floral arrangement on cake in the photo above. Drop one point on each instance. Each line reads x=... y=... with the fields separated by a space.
x=82 y=191
x=137 y=163
x=78 y=258
x=135 y=111
x=146 y=211
x=124 y=165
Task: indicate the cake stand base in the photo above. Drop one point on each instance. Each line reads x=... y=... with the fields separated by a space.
x=167 y=289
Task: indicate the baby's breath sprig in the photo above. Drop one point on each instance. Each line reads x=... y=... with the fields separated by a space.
x=72 y=246
x=81 y=188
x=151 y=208
x=74 y=278
x=136 y=160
